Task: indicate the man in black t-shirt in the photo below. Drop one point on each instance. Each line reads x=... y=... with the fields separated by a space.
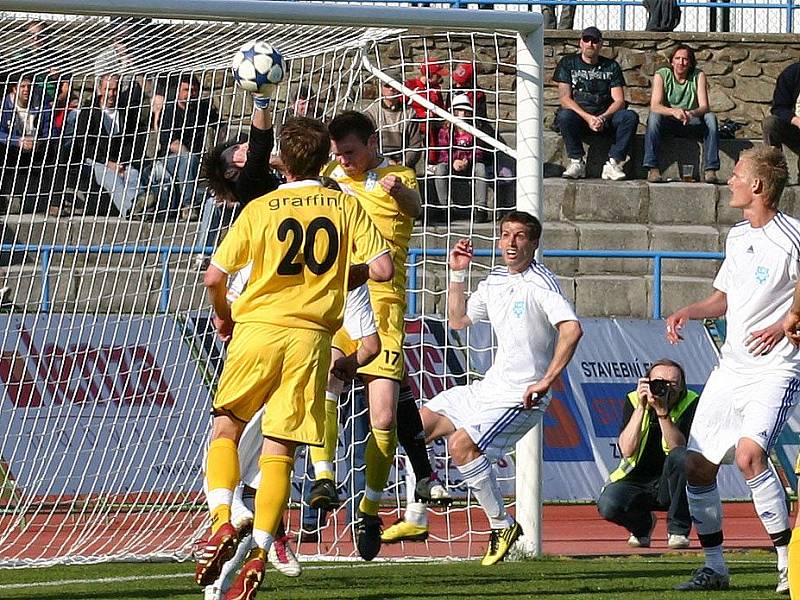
x=591 y=91
x=651 y=476
x=782 y=125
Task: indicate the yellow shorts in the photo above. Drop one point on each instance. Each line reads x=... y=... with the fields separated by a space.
x=341 y=341
x=286 y=369
x=389 y=308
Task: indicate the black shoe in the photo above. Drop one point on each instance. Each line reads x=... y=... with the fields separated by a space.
x=368 y=535
x=323 y=495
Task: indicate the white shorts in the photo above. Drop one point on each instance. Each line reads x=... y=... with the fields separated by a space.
x=250 y=451
x=734 y=406
x=493 y=419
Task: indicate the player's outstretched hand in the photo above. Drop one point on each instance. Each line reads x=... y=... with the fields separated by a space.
x=224 y=328
x=675 y=323
x=461 y=255
x=791 y=322
x=261 y=101
x=760 y=342
x=392 y=185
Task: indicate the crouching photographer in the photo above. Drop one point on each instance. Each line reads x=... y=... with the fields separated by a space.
x=656 y=421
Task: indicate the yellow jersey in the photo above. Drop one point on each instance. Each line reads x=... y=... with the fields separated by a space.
x=300 y=241
x=394 y=226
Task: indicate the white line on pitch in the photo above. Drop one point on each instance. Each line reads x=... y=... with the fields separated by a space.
x=32 y=584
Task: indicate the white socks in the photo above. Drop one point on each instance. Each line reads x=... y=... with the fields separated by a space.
x=479 y=476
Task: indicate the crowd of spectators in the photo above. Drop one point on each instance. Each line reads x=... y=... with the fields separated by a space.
x=132 y=146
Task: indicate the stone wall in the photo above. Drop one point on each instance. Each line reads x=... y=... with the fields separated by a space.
x=741 y=69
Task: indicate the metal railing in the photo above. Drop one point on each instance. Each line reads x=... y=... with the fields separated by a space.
x=657 y=256
x=753 y=16
x=166 y=253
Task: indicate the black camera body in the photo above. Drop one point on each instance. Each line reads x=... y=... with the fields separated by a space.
x=660 y=387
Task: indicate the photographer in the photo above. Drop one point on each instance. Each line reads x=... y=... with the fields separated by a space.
x=651 y=475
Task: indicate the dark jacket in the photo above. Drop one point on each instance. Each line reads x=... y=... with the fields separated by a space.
x=787 y=89
x=94 y=142
x=11 y=128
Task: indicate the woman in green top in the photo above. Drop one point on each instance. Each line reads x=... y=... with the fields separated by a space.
x=679 y=107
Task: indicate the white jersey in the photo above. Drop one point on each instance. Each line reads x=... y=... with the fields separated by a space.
x=524 y=309
x=758 y=276
x=359 y=320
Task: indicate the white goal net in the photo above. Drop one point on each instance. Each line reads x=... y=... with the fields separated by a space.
x=109 y=360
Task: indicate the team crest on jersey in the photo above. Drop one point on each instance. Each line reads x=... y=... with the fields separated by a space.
x=372 y=181
x=518 y=308
x=761 y=274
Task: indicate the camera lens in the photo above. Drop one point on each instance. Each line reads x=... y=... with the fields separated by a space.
x=659 y=387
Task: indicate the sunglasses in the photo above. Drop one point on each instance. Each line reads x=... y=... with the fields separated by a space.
x=587 y=39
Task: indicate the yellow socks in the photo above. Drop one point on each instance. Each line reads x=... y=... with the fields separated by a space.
x=794 y=564
x=378 y=456
x=273 y=492
x=322 y=458
x=222 y=472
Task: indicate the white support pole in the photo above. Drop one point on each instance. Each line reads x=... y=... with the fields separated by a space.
x=530 y=106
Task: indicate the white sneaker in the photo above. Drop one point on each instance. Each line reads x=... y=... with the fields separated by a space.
x=644 y=540
x=575 y=170
x=783 y=581
x=212 y=592
x=439 y=495
x=676 y=541
x=282 y=557
x=613 y=170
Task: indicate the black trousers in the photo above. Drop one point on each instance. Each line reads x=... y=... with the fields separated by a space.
x=630 y=502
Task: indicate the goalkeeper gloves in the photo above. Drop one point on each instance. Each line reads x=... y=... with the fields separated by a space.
x=260 y=101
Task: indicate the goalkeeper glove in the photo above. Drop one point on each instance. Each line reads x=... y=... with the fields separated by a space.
x=260 y=101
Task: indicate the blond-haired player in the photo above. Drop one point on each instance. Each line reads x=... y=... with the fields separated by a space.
x=301 y=240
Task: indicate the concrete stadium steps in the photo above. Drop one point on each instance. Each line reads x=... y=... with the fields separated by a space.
x=579 y=215
x=94 y=231
x=94 y=289
x=673 y=153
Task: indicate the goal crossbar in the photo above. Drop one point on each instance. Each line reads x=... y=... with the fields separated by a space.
x=309 y=13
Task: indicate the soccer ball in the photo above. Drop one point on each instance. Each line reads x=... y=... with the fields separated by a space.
x=257 y=67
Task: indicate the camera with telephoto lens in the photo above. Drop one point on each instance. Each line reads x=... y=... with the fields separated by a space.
x=660 y=387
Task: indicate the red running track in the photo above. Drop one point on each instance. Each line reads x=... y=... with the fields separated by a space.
x=568 y=530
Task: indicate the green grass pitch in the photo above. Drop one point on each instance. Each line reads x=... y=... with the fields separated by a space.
x=753 y=577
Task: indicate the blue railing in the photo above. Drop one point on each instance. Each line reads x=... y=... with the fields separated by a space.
x=657 y=256
x=165 y=253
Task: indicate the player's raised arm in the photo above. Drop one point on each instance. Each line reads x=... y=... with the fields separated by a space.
x=460 y=258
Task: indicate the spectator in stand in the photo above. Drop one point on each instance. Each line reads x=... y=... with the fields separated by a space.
x=460 y=155
x=679 y=107
x=25 y=147
x=429 y=86
x=463 y=79
x=782 y=125
x=111 y=140
x=591 y=92
x=181 y=142
x=566 y=19
x=399 y=133
x=657 y=417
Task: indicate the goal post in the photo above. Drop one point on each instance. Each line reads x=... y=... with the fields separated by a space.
x=107 y=363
